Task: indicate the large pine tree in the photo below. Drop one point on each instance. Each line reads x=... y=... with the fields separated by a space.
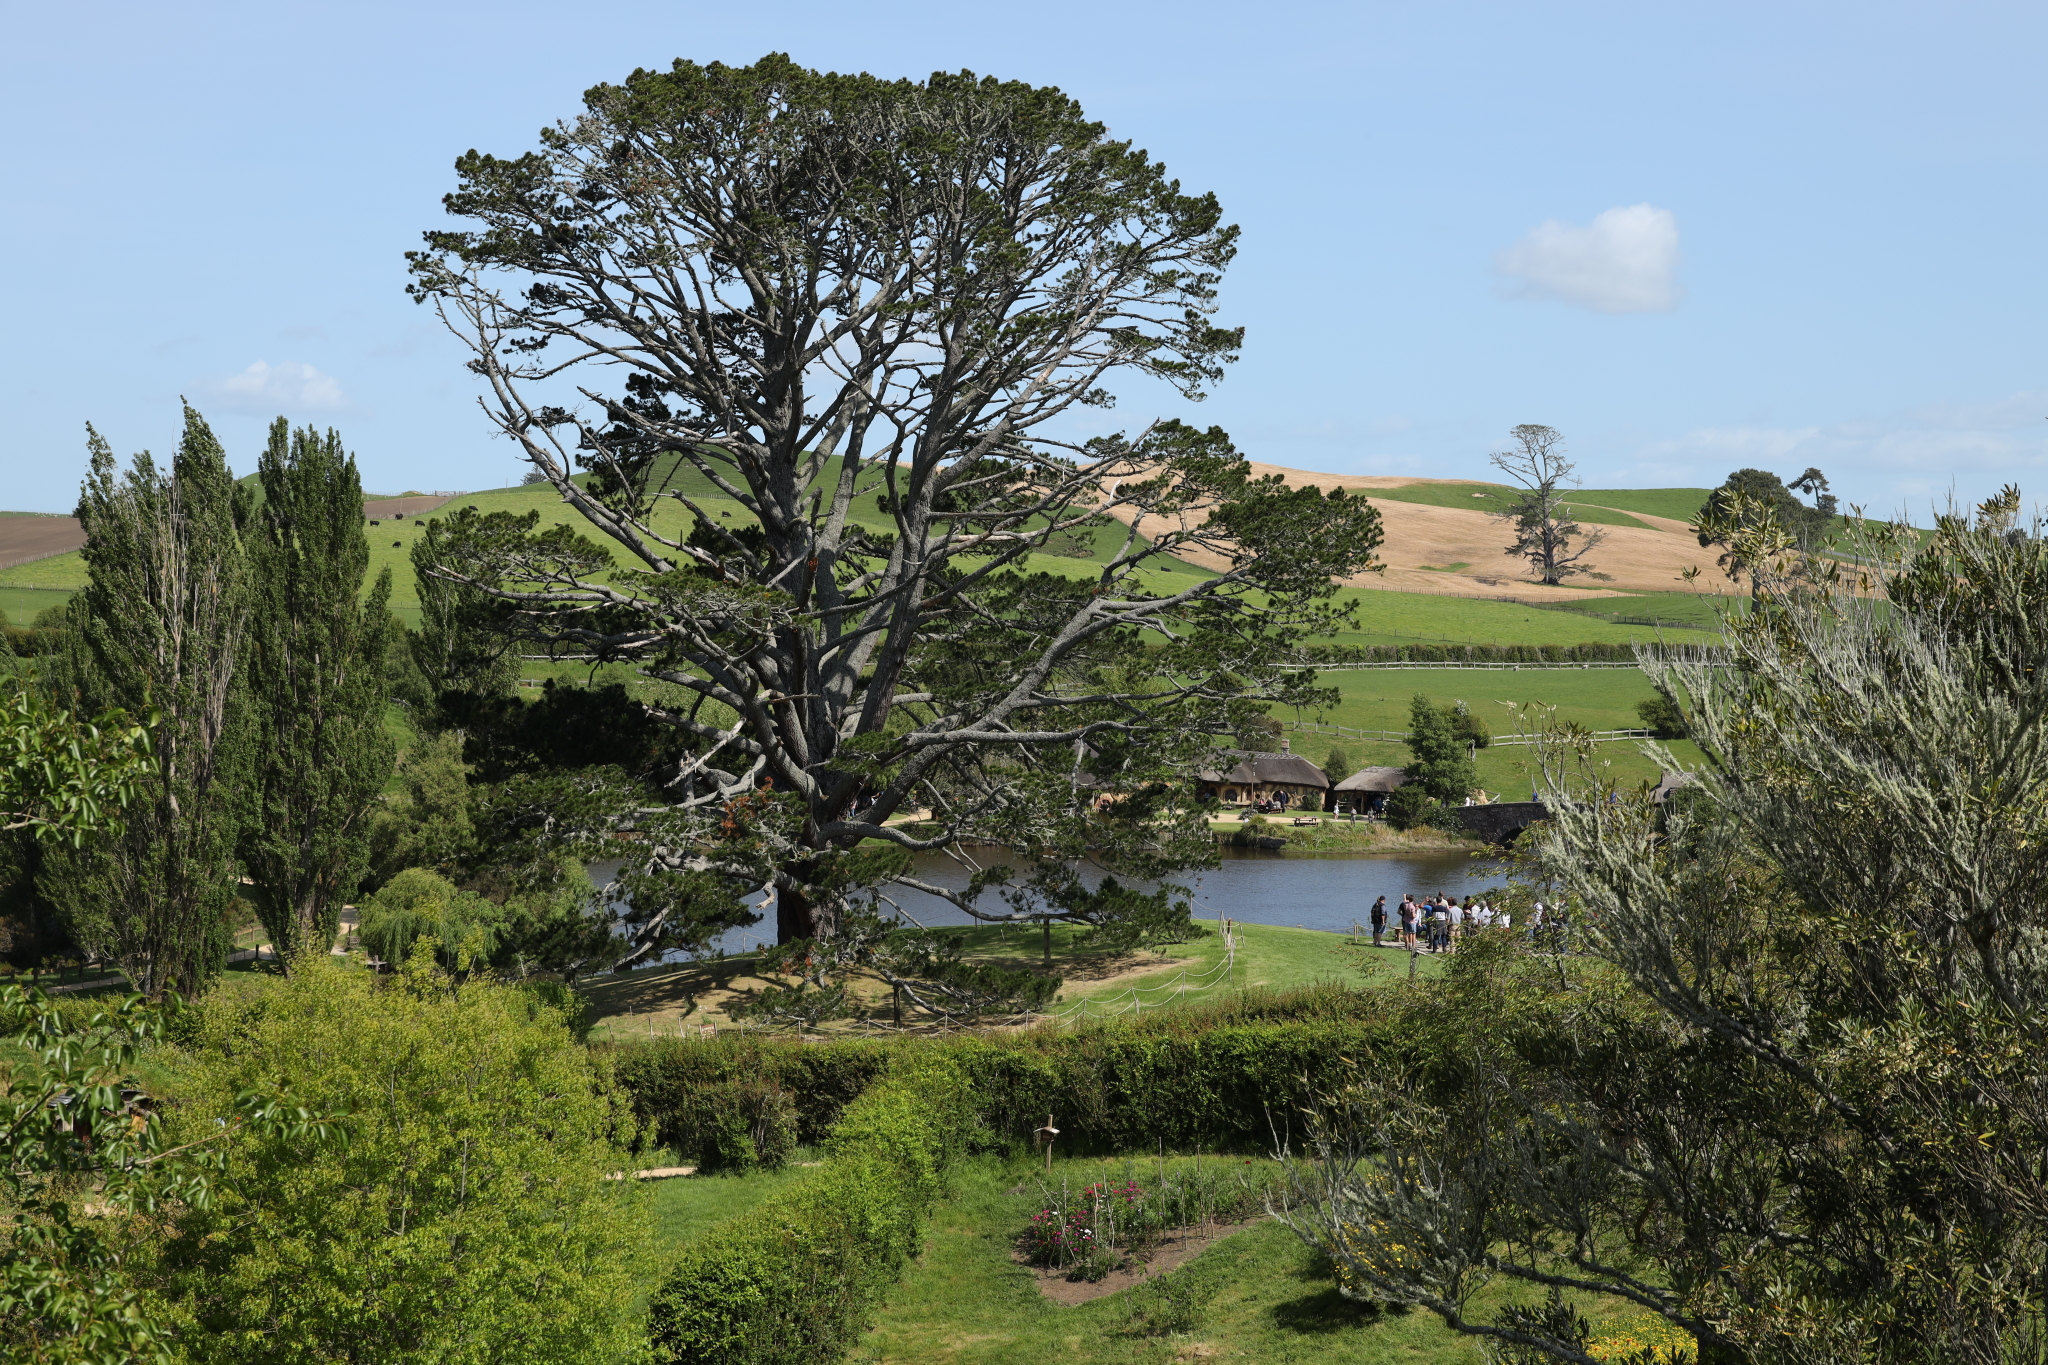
x=315 y=687
x=160 y=627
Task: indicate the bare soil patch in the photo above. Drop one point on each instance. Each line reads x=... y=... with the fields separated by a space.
x=24 y=538
x=1650 y=558
x=1172 y=1251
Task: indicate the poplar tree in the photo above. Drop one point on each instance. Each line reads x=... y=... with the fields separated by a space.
x=316 y=657
x=160 y=628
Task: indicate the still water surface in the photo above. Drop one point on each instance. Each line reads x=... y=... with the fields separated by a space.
x=1309 y=892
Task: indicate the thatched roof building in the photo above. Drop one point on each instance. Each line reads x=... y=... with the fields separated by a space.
x=1380 y=780
x=1260 y=777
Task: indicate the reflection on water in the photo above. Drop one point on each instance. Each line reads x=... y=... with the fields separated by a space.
x=1260 y=888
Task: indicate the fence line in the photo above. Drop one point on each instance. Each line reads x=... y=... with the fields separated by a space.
x=1400 y=663
x=1318 y=727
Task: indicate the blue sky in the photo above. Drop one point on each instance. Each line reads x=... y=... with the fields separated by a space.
x=1690 y=237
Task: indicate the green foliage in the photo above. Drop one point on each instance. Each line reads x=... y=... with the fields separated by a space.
x=1803 y=1123
x=1542 y=520
x=750 y=1122
x=795 y=1280
x=671 y=1082
x=73 y=1116
x=1662 y=717
x=1442 y=739
x=1193 y=1079
x=468 y=1217
x=161 y=627
x=428 y=824
x=1753 y=498
x=822 y=691
x=455 y=649
x=420 y=904
x=63 y=777
x=1412 y=807
x=315 y=689
x=88 y=1175
x=1337 y=766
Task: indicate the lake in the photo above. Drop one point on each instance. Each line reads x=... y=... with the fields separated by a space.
x=1297 y=890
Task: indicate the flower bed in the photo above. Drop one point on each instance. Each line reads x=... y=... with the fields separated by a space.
x=1105 y=1224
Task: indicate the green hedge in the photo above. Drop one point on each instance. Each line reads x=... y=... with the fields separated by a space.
x=1196 y=1079
x=680 y=1087
x=795 y=1280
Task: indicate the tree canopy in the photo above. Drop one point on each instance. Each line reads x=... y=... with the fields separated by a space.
x=1792 y=1098
x=811 y=356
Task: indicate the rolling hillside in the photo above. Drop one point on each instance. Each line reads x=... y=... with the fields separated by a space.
x=1446 y=581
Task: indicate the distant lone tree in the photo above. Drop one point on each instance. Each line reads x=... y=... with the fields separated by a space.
x=1750 y=498
x=1543 y=525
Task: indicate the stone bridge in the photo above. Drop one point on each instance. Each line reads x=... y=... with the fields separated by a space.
x=1500 y=822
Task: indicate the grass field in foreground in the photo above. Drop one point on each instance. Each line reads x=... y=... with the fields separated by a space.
x=1263 y=1297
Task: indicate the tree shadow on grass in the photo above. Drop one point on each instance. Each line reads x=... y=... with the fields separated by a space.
x=1325 y=1311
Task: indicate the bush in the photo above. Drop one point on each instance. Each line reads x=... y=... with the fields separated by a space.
x=1226 y=1077
x=1409 y=807
x=1661 y=717
x=466 y=1217
x=674 y=1084
x=795 y=1280
x=749 y=1123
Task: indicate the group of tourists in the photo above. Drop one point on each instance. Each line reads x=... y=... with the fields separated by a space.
x=1436 y=923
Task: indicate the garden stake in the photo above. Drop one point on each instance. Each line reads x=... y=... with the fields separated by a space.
x=1046 y=1135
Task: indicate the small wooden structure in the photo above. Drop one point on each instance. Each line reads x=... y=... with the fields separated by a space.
x=1045 y=1137
x=1367 y=788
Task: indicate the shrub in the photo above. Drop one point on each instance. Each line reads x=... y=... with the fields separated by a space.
x=467 y=1217
x=749 y=1123
x=795 y=1280
x=674 y=1082
x=1661 y=717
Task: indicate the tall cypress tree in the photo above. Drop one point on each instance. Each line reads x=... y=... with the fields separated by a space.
x=316 y=665
x=160 y=627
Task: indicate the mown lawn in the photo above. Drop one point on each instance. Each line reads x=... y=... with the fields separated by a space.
x=1261 y=1294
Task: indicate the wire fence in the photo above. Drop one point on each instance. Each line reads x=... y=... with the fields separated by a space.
x=1317 y=727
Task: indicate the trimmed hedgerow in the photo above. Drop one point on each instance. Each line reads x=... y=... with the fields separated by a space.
x=795 y=1280
x=685 y=1091
x=1225 y=1078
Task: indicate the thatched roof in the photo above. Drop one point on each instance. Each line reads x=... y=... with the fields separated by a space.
x=1373 y=780
x=1671 y=783
x=1270 y=768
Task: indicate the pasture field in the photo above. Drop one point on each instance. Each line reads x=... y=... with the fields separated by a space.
x=1402 y=618
x=22 y=605
x=1597 y=698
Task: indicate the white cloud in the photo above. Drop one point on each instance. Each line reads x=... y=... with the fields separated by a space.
x=1621 y=262
x=1911 y=461
x=286 y=387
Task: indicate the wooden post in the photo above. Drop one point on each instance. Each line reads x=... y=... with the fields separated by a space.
x=1046 y=1135
x=1048 y=954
